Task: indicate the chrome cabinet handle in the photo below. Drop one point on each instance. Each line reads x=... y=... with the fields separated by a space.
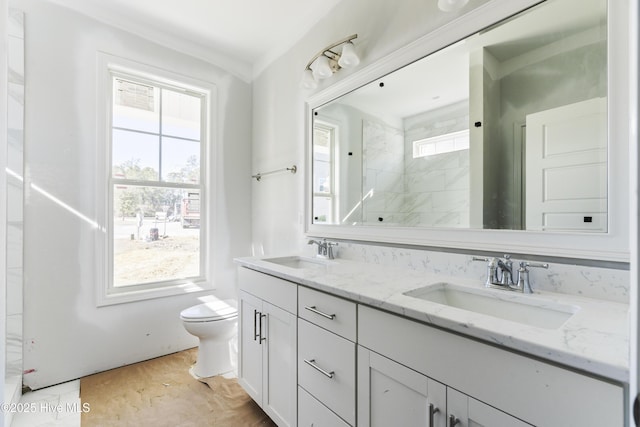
x=312 y=363
x=453 y=420
x=432 y=411
x=255 y=325
x=260 y=332
x=313 y=309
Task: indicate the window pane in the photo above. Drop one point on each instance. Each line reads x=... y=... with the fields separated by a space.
x=322 y=138
x=180 y=114
x=441 y=144
x=322 y=210
x=321 y=177
x=135 y=155
x=136 y=106
x=150 y=241
x=180 y=160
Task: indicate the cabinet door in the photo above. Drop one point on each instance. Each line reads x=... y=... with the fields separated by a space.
x=250 y=348
x=279 y=365
x=464 y=411
x=392 y=394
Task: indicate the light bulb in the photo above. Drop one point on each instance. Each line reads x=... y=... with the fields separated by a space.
x=349 y=57
x=321 y=68
x=308 y=81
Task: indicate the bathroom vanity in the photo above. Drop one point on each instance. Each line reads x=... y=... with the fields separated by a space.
x=365 y=344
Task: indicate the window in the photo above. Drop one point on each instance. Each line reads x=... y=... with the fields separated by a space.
x=157 y=236
x=455 y=141
x=324 y=197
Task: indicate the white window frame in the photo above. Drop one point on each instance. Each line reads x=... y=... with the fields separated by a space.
x=107 y=294
x=441 y=144
x=334 y=131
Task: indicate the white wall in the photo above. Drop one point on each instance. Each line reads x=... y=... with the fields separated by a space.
x=278 y=104
x=13 y=196
x=3 y=182
x=634 y=184
x=66 y=336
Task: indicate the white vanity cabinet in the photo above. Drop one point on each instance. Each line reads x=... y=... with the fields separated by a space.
x=267 y=343
x=326 y=359
x=478 y=377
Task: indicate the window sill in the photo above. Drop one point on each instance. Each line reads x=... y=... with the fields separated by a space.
x=123 y=295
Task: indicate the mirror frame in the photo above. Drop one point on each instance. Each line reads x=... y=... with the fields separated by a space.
x=610 y=246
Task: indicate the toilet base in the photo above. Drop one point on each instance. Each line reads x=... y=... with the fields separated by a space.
x=228 y=375
x=215 y=358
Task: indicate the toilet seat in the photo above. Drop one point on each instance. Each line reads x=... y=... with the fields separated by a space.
x=210 y=311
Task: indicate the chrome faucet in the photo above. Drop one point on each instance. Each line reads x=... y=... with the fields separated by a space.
x=325 y=248
x=500 y=274
x=499 y=271
x=504 y=271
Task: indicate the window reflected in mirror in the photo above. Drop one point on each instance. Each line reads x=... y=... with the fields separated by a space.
x=324 y=197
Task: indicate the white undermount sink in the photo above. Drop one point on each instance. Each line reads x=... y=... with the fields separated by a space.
x=299 y=262
x=510 y=306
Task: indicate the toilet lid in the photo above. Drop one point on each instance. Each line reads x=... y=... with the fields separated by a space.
x=210 y=311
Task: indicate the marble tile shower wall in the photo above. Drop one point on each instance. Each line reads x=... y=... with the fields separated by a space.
x=438 y=191
x=437 y=187
x=383 y=165
x=593 y=282
x=15 y=192
x=428 y=191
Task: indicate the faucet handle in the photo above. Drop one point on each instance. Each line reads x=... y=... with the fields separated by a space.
x=524 y=285
x=493 y=261
x=526 y=264
x=316 y=242
x=329 y=246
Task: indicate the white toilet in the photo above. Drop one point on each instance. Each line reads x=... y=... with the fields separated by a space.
x=215 y=323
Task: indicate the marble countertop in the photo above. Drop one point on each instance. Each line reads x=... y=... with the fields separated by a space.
x=594 y=339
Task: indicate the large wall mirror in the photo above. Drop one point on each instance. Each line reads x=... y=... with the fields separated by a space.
x=504 y=129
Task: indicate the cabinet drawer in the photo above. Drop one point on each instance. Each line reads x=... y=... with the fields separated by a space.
x=278 y=292
x=313 y=413
x=327 y=369
x=332 y=313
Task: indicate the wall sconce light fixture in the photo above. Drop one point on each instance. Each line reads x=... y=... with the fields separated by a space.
x=328 y=61
x=451 y=5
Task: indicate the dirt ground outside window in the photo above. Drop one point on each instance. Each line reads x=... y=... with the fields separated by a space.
x=138 y=258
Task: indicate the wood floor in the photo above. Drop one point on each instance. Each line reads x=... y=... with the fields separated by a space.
x=161 y=392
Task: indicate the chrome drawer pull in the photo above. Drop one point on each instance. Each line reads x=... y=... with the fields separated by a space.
x=313 y=309
x=312 y=363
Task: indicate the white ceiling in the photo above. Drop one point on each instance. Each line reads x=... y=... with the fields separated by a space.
x=243 y=36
